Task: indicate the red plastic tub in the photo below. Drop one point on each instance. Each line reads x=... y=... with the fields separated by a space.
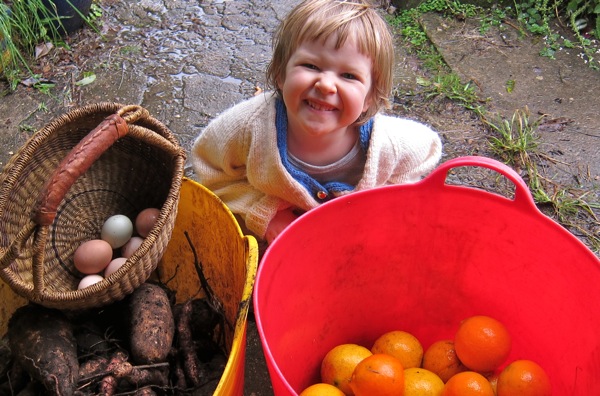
x=421 y=258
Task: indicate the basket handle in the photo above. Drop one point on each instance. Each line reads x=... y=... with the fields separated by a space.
x=523 y=196
x=79 y=160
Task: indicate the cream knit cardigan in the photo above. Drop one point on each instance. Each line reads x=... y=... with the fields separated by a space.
x=237 y=157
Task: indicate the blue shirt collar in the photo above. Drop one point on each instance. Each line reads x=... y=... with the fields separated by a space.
x=321 y=192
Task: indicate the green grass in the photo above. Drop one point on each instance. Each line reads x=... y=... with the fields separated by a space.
x=516 y=142
x=23 y=26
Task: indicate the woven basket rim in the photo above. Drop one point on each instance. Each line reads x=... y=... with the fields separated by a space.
x=135 y=270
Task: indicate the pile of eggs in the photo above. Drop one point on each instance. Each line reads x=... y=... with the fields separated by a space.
x=97 y=259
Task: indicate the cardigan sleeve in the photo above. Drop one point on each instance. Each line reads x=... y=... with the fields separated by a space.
x=220 y=156
x=422 y=151
x=400 y=151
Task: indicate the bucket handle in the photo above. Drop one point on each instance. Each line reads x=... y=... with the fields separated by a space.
x=523 y=196
x=80 y=159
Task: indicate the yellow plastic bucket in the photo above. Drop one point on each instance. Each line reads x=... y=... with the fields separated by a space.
x=229 y=260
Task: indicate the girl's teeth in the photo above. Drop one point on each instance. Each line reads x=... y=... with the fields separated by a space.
x=319 y=107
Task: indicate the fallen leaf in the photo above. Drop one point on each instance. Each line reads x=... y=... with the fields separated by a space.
x=43 y=50
x=554 y=124
x=86 y=80
x=30 y=82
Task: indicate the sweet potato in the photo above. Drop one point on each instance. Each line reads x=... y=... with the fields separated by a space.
x=191 y=364
x=42 y=342
x=152 y=324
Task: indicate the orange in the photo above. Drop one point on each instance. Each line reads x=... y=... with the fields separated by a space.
x=441 y=359
x=421 y=382
x=468 y=383
x=523 y=378
x=321 y=389
x=401 y=345
x=378 y=375
x=339 y=363
x=482 y=343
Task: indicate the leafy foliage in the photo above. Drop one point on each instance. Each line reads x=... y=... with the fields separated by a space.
x=23 y=25
x=533 y=16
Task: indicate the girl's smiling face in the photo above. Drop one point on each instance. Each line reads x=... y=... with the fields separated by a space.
x=326 y=89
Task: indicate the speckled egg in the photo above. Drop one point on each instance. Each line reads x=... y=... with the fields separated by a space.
x=117 y=230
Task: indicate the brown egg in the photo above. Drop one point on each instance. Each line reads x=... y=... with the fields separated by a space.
x=93 y=256
x=145 y=220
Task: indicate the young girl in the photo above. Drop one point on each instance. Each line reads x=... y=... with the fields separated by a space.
x=319 y=135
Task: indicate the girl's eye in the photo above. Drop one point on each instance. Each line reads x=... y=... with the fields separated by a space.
x=310 y=66
x=349 y=76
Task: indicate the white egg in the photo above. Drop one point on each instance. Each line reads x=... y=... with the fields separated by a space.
x=89 y=280
x=131 y=246
x=117 y=230
x=114 y=265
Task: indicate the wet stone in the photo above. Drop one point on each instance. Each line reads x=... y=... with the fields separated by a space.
x=210 y=95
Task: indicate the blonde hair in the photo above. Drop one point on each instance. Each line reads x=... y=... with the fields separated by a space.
x=314 y=20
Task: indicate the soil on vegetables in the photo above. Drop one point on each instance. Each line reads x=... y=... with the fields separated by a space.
x=144 y=344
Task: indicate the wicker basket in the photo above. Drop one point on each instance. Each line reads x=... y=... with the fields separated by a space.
x=60 y=187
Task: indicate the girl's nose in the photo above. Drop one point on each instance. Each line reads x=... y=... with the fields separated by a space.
x=326 y=85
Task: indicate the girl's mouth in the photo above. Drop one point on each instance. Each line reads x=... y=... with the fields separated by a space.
x=319 y=106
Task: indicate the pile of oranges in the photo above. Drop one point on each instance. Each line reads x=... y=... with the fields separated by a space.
x=397 y=364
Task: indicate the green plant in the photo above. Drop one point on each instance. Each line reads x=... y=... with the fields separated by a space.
x=516 y=141
x=533 y=16
x=449 y=85
x=409 y=27
x=514 y=138
x=495 y=17
x=23 y=25
x=583 y=17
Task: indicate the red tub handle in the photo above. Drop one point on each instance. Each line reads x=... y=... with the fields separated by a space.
x=522 y=194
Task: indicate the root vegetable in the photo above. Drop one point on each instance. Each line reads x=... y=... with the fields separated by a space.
x=108 y=386
x=145 y=392
x=191 y=364
x=92 y=367
x=180 y=381
x=142 y=377
x=152 y=324
x=42 y=341
x=203 y=319
x=104 y=341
